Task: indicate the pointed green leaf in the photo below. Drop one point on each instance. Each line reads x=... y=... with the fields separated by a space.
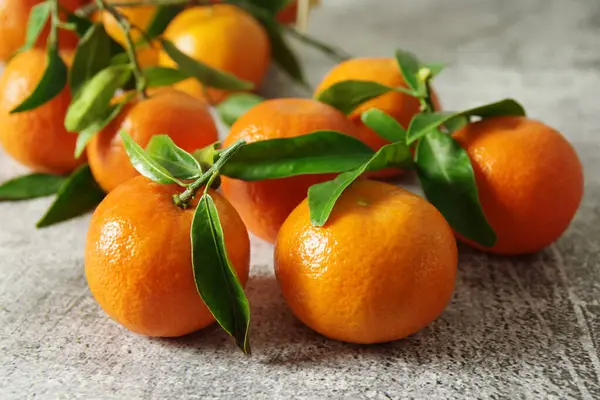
x=384 y=125
x=30 y=187
x=409 y=66
x=346 y=96
x=91 y=56
x=88 y=133
x=163 y=16
x=78 y=194
x=236 y=105
x=145 y=164
x=52 y=83
x=178 y=162
x=435 y=68
x=93 y=100
x=323 y=196
x=456 y=123
x=215 y=277
x=38 y=17
x=163 y=76
x=423 y=123
x=317 y=153
x=447 y=178
x=207 y=75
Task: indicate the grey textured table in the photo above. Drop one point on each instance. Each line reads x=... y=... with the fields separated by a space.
x=526 y=327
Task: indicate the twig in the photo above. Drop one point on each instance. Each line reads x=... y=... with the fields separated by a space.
x=333 y=52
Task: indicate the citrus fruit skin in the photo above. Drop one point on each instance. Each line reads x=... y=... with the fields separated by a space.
x=14 y=15
x=140 y=16
x=382 y=268
x=401 y=106
x=264 y=205
x=224 y=37
x=138 y=258
x=184 y=118
x=36 y=138
x=529 y=178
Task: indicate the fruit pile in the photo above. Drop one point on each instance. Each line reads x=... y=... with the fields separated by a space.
x=109 y=104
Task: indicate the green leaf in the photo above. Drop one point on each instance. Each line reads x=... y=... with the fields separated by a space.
x=145 y=164
x=346 y=96
x=456 y=123
x=272 y=6
x=78 y=194
x=82 y=25
x=236 y=105
x=384 y=125
x=88 y=133
x=30 y=187
x=93 y=100
x=178 y=162
x=447 y=178
x=423 y=123
x=163 y=76
x=317 y=153
x=215 y=277
x=38 y=17
x=435 y=68
x=409 y=66
x=52 y=83
x=323 y=196
x=92 y=55
x=163 y=16
x=208 y=76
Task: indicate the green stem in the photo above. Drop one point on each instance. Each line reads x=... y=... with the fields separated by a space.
x=125 y=25
x=182 y=200
x=55 y=21
x=426 y=101
x=335 y=53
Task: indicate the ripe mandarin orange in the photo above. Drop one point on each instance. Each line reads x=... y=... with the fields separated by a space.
x=382 y=267
x=138 y=258
x=14 y=15
x=36 y=138
x=529 y=178
x=140 y=16
x=224 y=37
x=264 y=205
x=184 y=118
x=382 y=70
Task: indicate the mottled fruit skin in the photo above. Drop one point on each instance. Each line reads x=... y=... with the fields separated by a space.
x=14 y=15
x=529 y=178
x=382 y=268
x=138 y=258
x=140 y=16
x=224 y=37
x=36 y=138
x=264 y=205
x=184 y=118
x=399 y=105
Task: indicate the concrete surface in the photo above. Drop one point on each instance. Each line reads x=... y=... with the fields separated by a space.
x=526 y=327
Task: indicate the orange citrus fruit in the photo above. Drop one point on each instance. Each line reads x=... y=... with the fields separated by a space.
x=224 y=37
x=139 y=16
x=138 y=258
x=529 y=178
x=36 y=138
x=14 y=15
x=381 y=70
x=382 y=267
x=264 y=205
x=184 y=118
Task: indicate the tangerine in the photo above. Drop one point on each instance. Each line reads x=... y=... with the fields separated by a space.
x=264 y=205
x=138 y=258
x=382 y=268
x=529 y=178
x=184 y=118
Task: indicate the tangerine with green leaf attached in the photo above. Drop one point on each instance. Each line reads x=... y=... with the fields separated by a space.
x=529 y=178
x=382 y=267
x=184 y=118
x=264 y=205
x=224 y=37
x=36 y=138
x=138 y=258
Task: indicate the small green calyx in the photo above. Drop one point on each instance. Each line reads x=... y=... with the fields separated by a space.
x=424 y=74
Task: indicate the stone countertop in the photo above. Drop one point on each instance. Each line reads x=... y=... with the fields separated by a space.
x=525 y=327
